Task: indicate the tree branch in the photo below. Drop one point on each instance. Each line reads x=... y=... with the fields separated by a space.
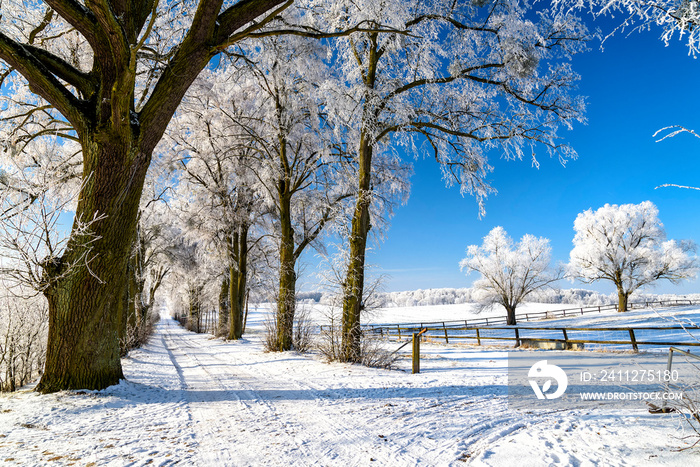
x=83 y=82
x=42 y=81
x=242 y=13
x=80 y=18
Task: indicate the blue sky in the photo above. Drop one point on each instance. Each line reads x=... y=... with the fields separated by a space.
x=634 y=87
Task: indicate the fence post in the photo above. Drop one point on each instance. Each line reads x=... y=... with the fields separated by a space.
x=478 y=338
x=447 y=341
x=415 y=355
x=634 y=341
x=517 y=338
x=566 y=340
x=398 y=328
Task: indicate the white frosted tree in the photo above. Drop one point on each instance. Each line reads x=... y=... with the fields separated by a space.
x=509 y=271
x=451 y=81
x=273 y=121
x=626 y=245
x=217 y=195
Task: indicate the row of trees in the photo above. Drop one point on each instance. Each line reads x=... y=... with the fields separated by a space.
x=320 y=99
x=624 y=244
x=299 y=124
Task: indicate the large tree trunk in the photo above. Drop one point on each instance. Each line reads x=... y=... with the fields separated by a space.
x=355 y=280
x=86 y=298
x=286 y=299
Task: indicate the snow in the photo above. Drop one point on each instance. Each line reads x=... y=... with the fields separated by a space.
x=193 y=400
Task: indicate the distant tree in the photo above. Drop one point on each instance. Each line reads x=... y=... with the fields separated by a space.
x=626 y=245
x=509 y=271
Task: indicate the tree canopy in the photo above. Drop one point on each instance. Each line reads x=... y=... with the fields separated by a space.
x=626 y=244
x=509 y=271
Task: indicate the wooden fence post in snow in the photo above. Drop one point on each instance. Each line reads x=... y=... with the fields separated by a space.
x=415 y=355
x=634 y=341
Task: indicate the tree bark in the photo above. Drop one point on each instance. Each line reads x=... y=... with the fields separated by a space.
x=223 y=305
x=234 y=331
x=86 y=298
x=355 y=279
x=286 y=300
x=194 y=318
x=130 y=319
x=622 y=299
x=242 y=275
x=510 y=315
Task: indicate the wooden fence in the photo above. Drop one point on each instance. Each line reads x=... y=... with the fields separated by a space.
x=409 y=328
x=610 y=337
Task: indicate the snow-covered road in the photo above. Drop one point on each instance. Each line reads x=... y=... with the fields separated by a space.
x=251 y=408
x=193 y=400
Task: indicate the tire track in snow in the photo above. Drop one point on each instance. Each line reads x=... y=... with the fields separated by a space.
x=320 y=429
x=224 y=407
x=304 y=423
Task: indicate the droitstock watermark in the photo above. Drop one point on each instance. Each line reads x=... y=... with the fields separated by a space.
x=547 y=380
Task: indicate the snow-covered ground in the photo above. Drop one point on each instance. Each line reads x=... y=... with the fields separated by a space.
x=193 y=400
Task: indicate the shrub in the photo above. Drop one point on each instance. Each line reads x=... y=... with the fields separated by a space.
x=23 y=334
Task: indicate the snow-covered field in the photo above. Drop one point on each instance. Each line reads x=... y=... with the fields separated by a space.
x=193 y=400
x=319 y=314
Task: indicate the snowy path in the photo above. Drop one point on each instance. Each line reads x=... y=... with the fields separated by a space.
x=193 y=400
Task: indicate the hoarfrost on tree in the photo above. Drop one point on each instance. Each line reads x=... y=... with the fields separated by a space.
x=451 y=81
x=626 y=244
x=509 y=271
